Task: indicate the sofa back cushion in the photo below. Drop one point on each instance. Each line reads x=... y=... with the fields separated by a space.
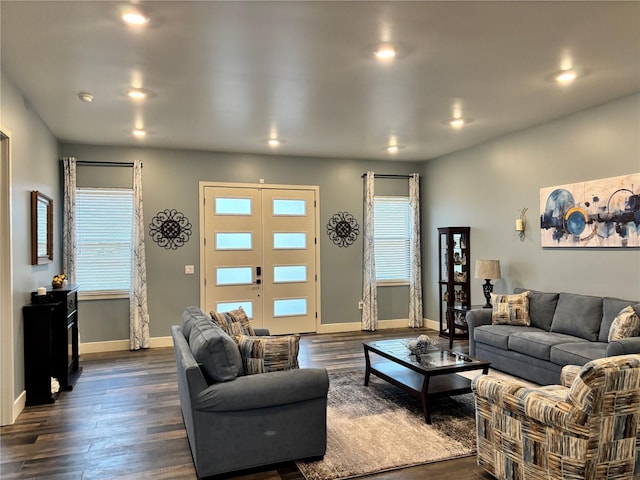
x=578 y=315
x=542 y=306
x=611 y=307
x=189 y=317
x=215 y=351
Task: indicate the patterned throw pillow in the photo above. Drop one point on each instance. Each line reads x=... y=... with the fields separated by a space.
x=626 y=324
x=268 y=354
x=234 y=322
x=510 y=309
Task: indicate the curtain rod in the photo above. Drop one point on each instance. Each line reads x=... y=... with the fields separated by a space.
x=387 y=175
x=104 y=164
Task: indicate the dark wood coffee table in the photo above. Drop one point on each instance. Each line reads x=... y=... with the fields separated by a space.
x=430 y=375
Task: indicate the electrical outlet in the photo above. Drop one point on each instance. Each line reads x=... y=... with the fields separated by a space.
x=360 y=305
x=189 y=269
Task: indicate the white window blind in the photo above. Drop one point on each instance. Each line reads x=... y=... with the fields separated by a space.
x=392 y=239
x=104 y=225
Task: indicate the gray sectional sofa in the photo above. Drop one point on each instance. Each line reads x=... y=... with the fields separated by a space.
x=566 y=329
x=236 y=421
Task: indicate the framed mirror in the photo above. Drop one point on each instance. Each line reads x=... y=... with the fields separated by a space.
x=41 y=228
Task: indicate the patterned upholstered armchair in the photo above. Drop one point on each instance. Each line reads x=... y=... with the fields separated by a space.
x=586 y=428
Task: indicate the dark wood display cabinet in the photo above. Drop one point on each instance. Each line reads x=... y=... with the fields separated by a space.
x=454 y=285
x=51 y=343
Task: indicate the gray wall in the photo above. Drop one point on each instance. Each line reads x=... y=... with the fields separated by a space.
x=171 y=181
x=486 y=187
x=34 y=167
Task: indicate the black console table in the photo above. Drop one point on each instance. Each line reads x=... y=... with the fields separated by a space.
x=51 y=343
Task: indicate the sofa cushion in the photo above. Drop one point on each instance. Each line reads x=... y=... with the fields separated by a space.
x=538 y=344
x=542 y=306
x=625 y=325
x=577 y=353
x=578 y=315
x=269 y=354
x=215 y=351
x=234 y=322
x=510 y=309
x=189 y=317
x=498 y=335
x=610 y=309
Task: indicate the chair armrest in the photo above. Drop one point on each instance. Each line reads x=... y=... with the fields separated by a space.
x=568 y=374
x=476 y=318
x=548 y=408
x=264 y=390
x=546 y=405
x=496 y=391
x=623 y=346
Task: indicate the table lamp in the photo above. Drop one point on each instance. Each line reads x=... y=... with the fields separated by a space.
x=489 y=270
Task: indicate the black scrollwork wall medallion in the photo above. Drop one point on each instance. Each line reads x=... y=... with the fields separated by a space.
x=343 y=229
x=170 y=229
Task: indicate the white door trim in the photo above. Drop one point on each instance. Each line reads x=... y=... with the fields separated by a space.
x=316 y=188
x=8 y=414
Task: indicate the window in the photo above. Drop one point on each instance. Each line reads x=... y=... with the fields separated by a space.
x=104 y=225
x=392 y=235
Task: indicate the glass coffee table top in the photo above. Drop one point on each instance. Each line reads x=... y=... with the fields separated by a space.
x=434 y=357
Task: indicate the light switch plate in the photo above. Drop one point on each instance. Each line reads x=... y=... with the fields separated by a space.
x=189 y=269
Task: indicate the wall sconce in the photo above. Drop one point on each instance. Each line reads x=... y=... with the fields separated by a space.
x=489 y=270
x=521 y=223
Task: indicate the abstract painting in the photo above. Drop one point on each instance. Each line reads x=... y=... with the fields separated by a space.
x=598 y=213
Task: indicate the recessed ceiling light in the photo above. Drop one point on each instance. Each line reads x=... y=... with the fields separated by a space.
x=274 y=142
x=385 y=52
x=393 y=149
x=134 y=17
x=567 y=76
x=139 y=93
x=139 y=133
x=458 y=122
x=85 y=97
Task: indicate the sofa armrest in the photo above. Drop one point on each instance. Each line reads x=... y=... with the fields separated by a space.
x=476 y=318
x=623 y=346
x=264 y=390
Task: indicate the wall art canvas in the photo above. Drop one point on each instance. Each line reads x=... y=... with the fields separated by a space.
x=598 y=213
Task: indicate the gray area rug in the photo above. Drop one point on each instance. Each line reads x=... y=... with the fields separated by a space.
x=379 y=428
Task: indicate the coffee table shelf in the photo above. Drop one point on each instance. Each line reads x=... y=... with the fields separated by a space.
x=432 y=375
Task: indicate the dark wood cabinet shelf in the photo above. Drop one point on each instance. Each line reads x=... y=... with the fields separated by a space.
x=51 y=343
x=454 y=287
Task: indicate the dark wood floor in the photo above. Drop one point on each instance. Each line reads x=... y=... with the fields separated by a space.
x=123 y=421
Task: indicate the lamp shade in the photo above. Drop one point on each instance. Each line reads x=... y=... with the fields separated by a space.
x=488 y=269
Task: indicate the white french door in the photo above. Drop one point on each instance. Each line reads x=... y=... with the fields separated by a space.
x=259 y=251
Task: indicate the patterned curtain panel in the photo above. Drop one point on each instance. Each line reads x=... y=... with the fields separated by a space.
x=369 y=285
x=415 y=282
x=138 y=313
x=69 y=219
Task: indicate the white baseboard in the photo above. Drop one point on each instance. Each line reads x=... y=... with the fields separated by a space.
x=18 y=406
x=432 y=324
x=158 y=342
x=382 y=324
x=120 y=345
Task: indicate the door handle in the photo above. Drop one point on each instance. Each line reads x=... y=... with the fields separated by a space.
x=258 y=271
x=258 y=281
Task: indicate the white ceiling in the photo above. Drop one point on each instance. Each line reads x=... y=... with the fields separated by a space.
x=227 y=74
